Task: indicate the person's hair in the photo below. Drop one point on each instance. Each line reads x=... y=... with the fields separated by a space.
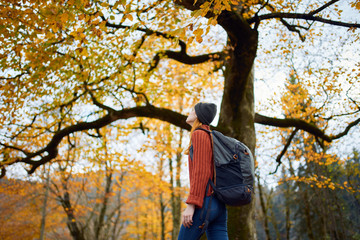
x=195 y=125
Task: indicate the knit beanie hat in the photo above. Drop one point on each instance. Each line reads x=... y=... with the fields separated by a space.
x=205 y=112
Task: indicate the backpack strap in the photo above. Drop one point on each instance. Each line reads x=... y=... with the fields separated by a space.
x=205 y=224
x=207 y=188
x=212 y=147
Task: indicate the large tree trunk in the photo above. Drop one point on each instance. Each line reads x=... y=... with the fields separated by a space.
x=237 y=110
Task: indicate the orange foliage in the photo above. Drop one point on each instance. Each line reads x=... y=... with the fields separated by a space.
x=21 y=204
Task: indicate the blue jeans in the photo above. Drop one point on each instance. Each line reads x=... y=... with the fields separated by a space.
x=217 y=229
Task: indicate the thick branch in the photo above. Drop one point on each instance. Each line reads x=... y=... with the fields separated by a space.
x=51 y=149
x=291 y=122
x=183 y=57
x=303 y=16
x=303 y=125
x=186 y=59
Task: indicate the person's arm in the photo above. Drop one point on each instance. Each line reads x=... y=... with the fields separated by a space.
x=199 y=167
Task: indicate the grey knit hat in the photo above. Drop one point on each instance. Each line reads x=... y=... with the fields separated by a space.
x=205 y=112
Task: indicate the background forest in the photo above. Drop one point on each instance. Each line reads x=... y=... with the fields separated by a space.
x=93 y=100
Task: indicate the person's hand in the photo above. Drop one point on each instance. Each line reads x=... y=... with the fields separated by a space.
x=187 y=217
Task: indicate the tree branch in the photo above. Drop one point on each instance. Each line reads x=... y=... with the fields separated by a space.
x=352 y=100
x=278 y=159
x=291 y=122
x=293 y=28
x=15 y=148
x=347 y=129
x=183 y=57
x=303 y=125
x=14 y=77
x=52 y=147
x=147 y=31
x=137 y=93
x=323 y=7
x=180 y=56
x=304 y=16
x=97 y=103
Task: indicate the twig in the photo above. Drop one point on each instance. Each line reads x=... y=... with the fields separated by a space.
x=278 y=159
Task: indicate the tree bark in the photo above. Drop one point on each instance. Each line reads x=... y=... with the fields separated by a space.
x=264 y=211
x=75 y=231
x=273 y=220
x=172 y=200
x=162 y=214
x=175 y=194
x=287 y=219
x=237 y=108
x=175 y=189
x=287 y=195
x=177 y=219
x=43 y=212
x=308 y=216
x=118 y=223
x=99 y=223
x=237 y=117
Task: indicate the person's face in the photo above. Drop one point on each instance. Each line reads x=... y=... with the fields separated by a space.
x=191 y=118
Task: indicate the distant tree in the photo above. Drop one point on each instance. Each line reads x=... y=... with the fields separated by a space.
x=21 y=206
x=314 y=178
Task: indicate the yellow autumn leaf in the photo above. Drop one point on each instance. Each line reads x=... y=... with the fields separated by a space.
x=130 y=17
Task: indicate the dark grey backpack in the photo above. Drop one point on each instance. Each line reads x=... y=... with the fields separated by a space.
x=234 y=170
x=233 y=173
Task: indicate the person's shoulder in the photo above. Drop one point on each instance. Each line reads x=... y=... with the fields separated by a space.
x=199 y=134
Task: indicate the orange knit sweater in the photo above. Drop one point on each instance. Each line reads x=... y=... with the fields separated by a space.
x=201 y=167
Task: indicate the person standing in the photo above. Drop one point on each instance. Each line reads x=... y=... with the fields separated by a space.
x=201 y=169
